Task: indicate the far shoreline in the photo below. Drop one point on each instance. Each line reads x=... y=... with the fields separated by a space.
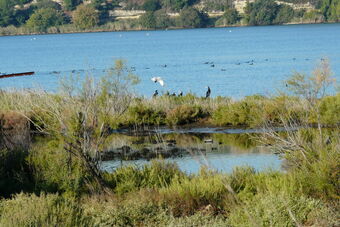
x=167 y=29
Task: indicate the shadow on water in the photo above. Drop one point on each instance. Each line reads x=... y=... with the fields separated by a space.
x=190 y=150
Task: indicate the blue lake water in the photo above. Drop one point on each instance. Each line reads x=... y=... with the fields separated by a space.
x=222 y=162
x=223 y=151
x=247 y=60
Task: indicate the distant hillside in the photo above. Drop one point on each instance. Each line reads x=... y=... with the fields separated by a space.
x=58 y=16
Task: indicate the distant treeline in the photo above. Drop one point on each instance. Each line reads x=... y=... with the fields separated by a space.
x=26 y=16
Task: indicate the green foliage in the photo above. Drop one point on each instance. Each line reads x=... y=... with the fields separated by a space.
x=15 y=175
x=126 y=213
x=313 y=16
x=45 y=210
x=55 y=170
x=45 y=18
x=155 y=20
x=216 y=5
x=71 y=4
x=151 y=5
x=129 y=179
x=162 y=19
x=176 y=5
x=6 y=12
x=331 y=10
x=85 y=17
x=192 y=18
x=185 y=196
x=275 y=210
x=284 y=15
x=148 y=20
x=47 y=4
x=144 y=115
x=330 y=109
x=229 y=17
x=239 y=113
x=261 y=12
x=184 y=114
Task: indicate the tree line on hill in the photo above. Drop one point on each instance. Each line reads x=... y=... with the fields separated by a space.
x=44 y=14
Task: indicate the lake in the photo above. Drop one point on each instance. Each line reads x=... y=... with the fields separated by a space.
x=234 y=62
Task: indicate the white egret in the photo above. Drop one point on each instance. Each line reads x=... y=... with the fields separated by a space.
x=159 y=80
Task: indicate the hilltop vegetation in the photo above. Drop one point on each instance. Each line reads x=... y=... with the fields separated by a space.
x=26 y=16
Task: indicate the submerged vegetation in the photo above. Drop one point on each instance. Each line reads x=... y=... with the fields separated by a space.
x=60 y=182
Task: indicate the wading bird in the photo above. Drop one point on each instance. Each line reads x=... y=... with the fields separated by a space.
x=159 y=80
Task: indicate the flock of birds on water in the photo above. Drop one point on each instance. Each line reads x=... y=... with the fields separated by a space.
x=158 y=79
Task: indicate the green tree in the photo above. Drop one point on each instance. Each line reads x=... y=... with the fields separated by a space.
x=176 y=5
x=261 y=12
x=71 y=4
x=85 y=17
x=313 y=16
x=45 y=18
x=22 y=15
x=151 y=5
x=47 y=4
x=331 y=10
x=6 y=12
x=148 y=20
x=229 y=17
x=103 y=7
x=284 y=15
x=192 y=18
x=162 y=19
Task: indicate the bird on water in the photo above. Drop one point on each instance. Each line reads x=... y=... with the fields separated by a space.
x=158 y=79
x=207 y=94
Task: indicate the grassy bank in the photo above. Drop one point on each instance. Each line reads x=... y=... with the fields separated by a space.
x=250 y=112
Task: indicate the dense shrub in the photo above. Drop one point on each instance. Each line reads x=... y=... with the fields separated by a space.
x=192 y=18
x=55 y=170
x=44 y=18
x=148 y=20
x=144 y=115
x=330 y=109
x=151 y=5
x=85 y=17
x=158 y=174
x=45 y=210
x=184 y=114
x=15 y=174
x=279 y=210
x=185 y=196
x=261 y=12
x=230 y=17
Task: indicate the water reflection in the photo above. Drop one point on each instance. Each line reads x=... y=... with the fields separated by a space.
x=218 y=151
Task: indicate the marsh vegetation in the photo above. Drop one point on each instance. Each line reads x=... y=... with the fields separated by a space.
x=57 y=179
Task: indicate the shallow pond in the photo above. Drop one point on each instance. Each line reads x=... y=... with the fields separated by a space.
x=218 y=151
